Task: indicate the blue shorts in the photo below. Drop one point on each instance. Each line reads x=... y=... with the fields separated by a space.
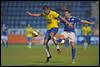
x=29 y=38
x=47 y=35
x=86 y=37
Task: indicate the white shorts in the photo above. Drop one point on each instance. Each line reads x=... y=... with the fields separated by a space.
x=4 y=37
x=69 y=35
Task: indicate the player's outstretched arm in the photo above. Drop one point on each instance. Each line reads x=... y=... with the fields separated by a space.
x=66 y=21
x=33 y=14
x=86 y=22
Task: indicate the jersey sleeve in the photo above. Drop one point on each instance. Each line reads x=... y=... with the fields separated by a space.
x=77 y=19
x=55 y=14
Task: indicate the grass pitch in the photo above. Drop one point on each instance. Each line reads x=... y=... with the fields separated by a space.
x=20 y=55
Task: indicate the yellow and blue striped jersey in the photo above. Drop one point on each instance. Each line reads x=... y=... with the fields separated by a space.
x=29 y=31
x=51 y=19
x=86 y=30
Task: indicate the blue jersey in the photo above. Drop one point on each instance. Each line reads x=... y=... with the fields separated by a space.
x=72 y=20
x=4 y=31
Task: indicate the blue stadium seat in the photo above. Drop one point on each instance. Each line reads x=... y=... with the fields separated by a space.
x=16 y=11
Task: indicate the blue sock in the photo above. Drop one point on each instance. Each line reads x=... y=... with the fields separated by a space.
x=59 y=40
x=73 y=53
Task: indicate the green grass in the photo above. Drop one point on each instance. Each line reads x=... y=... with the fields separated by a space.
x=19 y=55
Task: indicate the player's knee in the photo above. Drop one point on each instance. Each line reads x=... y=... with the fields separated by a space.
x=52 y=35
x=45 y=42
x=72 y=44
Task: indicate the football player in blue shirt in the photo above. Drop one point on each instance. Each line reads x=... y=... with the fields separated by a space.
x=4 y=36
x=69 y=31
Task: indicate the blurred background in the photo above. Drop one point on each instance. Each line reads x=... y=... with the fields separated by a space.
x=13 y=14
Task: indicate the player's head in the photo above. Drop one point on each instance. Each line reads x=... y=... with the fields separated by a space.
x=46 y=9
x=67 y=13
x=28 y=25
x=3 y=25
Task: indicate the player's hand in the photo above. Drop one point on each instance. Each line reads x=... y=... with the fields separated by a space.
x=92 y=23
x=69 y=24
x=28 y=12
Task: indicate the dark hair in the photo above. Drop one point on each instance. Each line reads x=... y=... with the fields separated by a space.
x=45 y=6
x=67 y=11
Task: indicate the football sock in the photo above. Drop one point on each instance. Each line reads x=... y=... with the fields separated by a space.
x=85 y=45
x=30 y=43
x=5 y=43
x=47 y=50
x=57 y=46
x=73 y=53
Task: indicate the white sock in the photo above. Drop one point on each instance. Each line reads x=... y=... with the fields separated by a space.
x=57 y=47
x=4 y=42
x=30 y=43
x=47 y=52
x=85 y=45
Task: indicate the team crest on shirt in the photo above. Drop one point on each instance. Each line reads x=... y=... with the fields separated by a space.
x=72 y=19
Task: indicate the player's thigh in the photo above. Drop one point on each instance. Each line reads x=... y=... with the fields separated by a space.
x=47 y=37
x=46 y=41
x=53 y=32
x=6 y=38
x=72 y=37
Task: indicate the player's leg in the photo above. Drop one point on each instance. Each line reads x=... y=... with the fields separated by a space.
x=72 y=43
x=2 y=38
x=73 y=51
x=47 y=50
x=85 y=42
x=63 y=39
x=2 y=43
x=89 y=36
x=46 y=39
x=29 y=39
x=52 y=34
x=6 y=41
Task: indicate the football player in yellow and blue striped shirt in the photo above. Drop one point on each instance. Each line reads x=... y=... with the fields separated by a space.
x=30 y=33
x=52 y=25
x=86 y=30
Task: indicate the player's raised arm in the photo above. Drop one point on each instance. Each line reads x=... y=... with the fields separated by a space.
x=86 y=22
x=33 y=14
x=66 y=21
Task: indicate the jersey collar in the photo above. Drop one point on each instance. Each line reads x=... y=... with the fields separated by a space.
x=48 y=12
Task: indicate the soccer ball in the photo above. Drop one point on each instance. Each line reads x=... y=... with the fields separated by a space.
x=35 y=33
